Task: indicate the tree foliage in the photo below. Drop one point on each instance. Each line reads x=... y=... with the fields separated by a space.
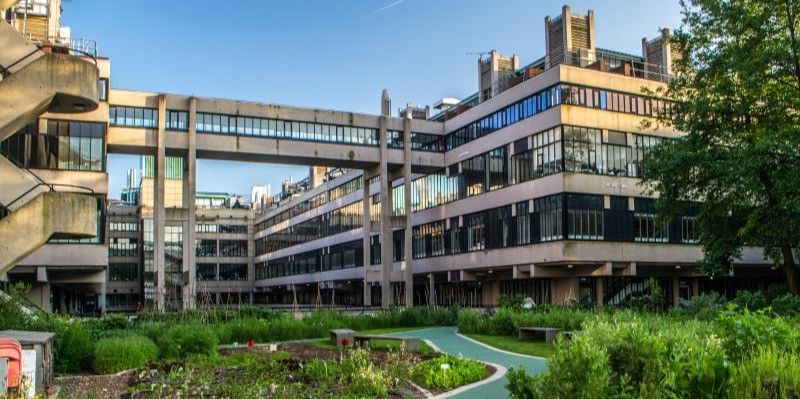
x=737 y=98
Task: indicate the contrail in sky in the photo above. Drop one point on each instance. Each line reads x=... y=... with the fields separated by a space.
x=388 y=6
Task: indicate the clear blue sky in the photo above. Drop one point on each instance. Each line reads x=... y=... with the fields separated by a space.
x=326 y=54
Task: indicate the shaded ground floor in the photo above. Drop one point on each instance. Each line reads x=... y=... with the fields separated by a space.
x=86 y=292
x=485 y=288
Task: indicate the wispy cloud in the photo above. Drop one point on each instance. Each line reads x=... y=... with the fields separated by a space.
x=388 y=6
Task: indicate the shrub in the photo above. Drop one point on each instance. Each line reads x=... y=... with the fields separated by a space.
x=702 y=307
x=626 y=354
x=73 y=345
x=577 y=370
x=751 y=300
x=653 y=300
x=769 y=373
x=123 y=352
x=184 y=340
x=447 y=372
x=14 y=306
x=786 y=305
x=522 y=386
x=744 y=331
x=362 y=378
x=511 y=302
x=506 y=321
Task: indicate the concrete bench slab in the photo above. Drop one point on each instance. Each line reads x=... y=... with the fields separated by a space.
x=340 y=334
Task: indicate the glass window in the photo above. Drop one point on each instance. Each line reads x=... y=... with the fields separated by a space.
x=102 y=88
x=132 y=116
x=63 y=145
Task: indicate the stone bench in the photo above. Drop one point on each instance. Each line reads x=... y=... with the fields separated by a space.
x=340 y=334
x=548 y=333
x=409 y=344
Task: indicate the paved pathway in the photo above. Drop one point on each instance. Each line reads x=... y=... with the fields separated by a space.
x=446 y=339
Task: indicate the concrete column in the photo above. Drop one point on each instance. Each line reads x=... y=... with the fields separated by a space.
x=386 y=205
x=102 y=301
x=676 y=291
x=408 y=270
x=189 y=189
x=599 y=291
x=159 y=213
x=431 y=290
x=566 y=19
x=365 y=237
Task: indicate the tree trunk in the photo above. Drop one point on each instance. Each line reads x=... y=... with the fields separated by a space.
x=790 y=269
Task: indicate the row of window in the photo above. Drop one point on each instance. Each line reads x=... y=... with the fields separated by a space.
x=556 y=217
x=123 y=246
x=63 y=145
x=222 y=248
x=273 y=128
x=563 y=148
x=553 y=96
x=313 y=202
x=337 y=221
x=221 y=272
x=123 y=226
x=220 y=228
x=340 y=256
x=132 y=116
x=123 y=272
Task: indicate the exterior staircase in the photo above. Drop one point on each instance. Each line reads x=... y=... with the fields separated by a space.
x=34 y=82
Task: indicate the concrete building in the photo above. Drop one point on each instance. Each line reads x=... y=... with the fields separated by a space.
x=529 y=186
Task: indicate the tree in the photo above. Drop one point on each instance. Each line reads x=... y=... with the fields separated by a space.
x=737 y=98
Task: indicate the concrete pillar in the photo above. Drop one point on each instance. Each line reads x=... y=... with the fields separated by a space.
x=431 y=290
x=386 y=205
x=676 y=291
x=189 y=189
x=102 y=301
x=159 y=213
x=599 y=291
x=408 y=270
x=566 y=19
x=365 y=237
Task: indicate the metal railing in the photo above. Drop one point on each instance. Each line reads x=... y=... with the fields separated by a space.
x=51 y=187
x=599 y=61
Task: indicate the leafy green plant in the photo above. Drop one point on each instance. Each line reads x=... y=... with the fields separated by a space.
x=786 y=305
x=73 y=345
x=447 y=372
x=653 y=300
x=744 y=331
x=123 y=352
x=703 y=306
x=523 y=386
x=181 y=341
x=751 y=300
x=769 y=373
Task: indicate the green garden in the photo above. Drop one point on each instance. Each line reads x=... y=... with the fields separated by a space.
x=707 y=347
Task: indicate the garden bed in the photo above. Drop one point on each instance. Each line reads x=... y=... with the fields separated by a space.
x=296 y=370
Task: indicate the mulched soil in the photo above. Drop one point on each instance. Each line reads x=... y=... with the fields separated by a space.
x=109 y=386
x=115 y=386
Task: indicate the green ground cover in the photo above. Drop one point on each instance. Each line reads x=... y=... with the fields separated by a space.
x=515 y=345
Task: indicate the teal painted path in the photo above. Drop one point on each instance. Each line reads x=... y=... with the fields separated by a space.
x=446 y=339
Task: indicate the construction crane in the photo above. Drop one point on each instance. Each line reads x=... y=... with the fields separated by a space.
x=480 y=54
